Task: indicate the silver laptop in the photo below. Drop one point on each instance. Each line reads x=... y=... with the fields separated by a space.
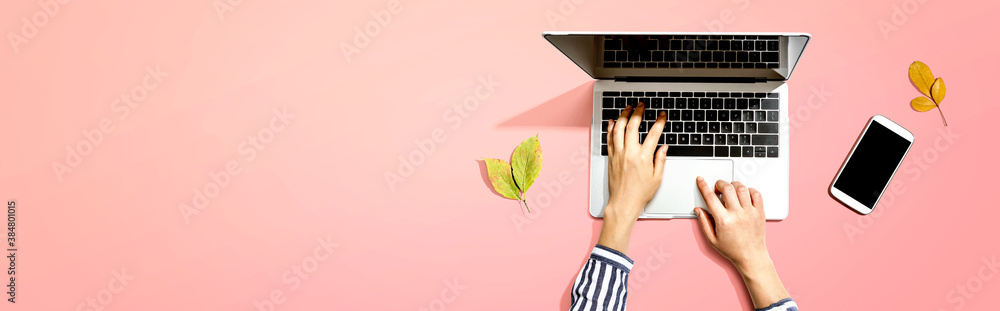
x=726 y=102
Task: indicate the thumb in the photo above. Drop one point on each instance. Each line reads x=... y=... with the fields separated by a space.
x=658 y=161
x=706 y=225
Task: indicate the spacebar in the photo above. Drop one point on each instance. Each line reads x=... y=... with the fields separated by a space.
x=689 y=151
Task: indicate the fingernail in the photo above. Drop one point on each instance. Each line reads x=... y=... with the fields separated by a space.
x=701 y=178
x=663 y=113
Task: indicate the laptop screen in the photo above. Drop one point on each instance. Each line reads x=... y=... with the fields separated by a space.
x=770 y=56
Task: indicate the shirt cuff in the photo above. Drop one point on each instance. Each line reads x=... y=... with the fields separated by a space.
x=611 y=257
x=784 y=304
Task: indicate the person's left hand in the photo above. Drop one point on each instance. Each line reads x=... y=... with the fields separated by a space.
x=634 y=169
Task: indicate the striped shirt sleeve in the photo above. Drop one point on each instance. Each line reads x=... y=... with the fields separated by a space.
x=786 y=304
x=601 y=285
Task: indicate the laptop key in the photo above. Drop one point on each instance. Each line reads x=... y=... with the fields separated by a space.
x=604 y=150
x=738 y=127
x=735 y=115
x=699 y=115
x=732 y=139
x=670 y=139
x=649 y=114
x=608 y=102
x=708 y=139
x=772 y=116
x=748 y=116
x=677 y=127
x=727 y=127
x=742 y=103
x=751 y=127
x=696 y=139
x=690 y=151
x=769 y=103
x=767 y=127
x=760 y=116
x=730 y=104
x=765 y=140
x=683 y=139
x=717 y=103
x=713 y=127
x=754 y=103
x=675 y=115
x=657 y=103
x=620 y=102
x=687 y=115
x=772 y=152
x=720 y=139
x=747 y=152
x=689 y=127
x=711 y=115
x=702 y=127
x=744 y=139
x=609 y=114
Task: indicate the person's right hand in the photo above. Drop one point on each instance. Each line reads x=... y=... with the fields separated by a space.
x=737 y=231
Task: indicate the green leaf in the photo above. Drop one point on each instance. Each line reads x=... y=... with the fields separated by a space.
x=500 y=177
x=527 y=163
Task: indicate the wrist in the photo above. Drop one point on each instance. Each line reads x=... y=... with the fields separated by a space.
x=755 y=265
x=616 y=229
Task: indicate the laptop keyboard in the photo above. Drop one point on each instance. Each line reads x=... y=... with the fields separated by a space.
x=703 y=124
x=691 y=51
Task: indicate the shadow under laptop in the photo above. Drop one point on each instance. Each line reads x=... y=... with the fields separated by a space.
x=571 y=109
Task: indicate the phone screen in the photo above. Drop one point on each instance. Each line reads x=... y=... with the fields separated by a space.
x=869 y=169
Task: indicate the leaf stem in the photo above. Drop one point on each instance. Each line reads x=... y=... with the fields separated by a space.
x=526 y=206
x=942 y=114
x=519 y=206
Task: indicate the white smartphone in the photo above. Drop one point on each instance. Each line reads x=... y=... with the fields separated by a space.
x=871 y=164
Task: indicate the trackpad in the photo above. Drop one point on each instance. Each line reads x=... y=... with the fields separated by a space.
x=678 y=194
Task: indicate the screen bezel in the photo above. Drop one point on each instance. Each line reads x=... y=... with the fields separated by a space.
x=847 y=199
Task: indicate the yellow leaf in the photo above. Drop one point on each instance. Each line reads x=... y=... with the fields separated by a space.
x=500 y=177
x=937 y=90
x=527 y=163
x=921 y=77
x=922 y=104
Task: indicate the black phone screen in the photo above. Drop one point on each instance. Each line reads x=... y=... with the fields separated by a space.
x=869 y=169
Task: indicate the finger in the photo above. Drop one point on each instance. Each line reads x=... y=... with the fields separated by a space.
x=659 y=162
x=743 y=194
x=653 y=138
x=757 y=198
x=632 y=128
x=610 y=137
x=728 y=194
x=706 y=225
x=620 y=128
x=714 y=206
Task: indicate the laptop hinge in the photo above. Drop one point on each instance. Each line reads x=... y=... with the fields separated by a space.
x=694 y=79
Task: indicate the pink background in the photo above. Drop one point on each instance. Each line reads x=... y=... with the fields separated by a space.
x=323 y=174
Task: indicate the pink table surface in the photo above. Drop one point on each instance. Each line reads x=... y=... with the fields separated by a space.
x=304 y=218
